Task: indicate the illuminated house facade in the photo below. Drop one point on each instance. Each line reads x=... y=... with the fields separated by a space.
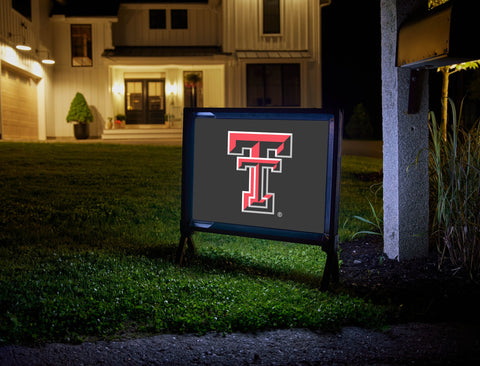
x=147 y=60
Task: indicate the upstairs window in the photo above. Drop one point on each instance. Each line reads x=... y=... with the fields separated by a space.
x=271 y=17
x=24 y=7
x=174 y=19
x=158 y=19
x=81 y=44
x=179 y=18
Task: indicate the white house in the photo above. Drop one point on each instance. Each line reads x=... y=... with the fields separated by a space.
x=147 y=60
x=26 y=103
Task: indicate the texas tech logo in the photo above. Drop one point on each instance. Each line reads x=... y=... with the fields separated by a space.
x=259 y=153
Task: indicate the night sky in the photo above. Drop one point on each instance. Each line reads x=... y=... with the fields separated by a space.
x=351 y=57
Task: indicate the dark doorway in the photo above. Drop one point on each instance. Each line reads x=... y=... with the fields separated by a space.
x=145 y=101
x=273 y=85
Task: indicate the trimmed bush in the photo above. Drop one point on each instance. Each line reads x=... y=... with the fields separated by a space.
x=79 y=110
x=359 y=126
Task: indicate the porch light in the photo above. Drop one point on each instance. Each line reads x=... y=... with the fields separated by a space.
x=172 y=88
x=118 y=88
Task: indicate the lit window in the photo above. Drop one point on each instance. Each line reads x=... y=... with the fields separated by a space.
x=81 y=45
x=145 y=101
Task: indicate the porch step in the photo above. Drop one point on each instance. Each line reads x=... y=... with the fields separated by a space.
x=149 y=133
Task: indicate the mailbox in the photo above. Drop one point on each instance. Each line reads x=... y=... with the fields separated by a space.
x=445 y=36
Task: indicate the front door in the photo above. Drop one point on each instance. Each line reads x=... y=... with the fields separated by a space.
x=145 y=101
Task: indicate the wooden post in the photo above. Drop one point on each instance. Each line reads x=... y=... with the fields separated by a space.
x=185 y=239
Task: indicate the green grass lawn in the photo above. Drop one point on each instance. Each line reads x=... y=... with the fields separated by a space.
x=88 y=234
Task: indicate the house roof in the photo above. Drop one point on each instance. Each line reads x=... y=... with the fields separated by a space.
x=165 y=1
x=163 y=51
x=274 y=54
x=100 y=8
x=85 y=8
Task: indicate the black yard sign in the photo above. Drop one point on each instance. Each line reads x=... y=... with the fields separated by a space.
x=266 y=173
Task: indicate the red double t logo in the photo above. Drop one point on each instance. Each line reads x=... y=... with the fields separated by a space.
x=259 y=153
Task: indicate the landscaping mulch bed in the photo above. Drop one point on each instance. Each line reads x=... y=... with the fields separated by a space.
x=418 y=288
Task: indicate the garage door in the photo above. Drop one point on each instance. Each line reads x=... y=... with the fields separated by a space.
x=18 y=105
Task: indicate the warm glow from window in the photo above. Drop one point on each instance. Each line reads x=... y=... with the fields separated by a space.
x=81 y=44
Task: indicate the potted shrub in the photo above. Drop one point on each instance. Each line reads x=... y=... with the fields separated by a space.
x=192 y=81
x=81 y=115
x=120 y=120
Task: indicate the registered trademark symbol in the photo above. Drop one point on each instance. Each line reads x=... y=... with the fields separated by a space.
x=279 y=214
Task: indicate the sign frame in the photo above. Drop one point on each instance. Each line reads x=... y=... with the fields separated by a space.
x=327 y=239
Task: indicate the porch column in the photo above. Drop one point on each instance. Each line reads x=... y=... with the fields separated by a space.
x=405 y=184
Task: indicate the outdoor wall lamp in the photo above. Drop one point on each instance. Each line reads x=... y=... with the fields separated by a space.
x=172 y=88
x=46 y=60
x=22 y=44
x=118 y=89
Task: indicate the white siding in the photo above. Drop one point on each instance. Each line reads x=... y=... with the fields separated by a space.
x=233 y=24
x=133 y=27
x=92 y=81
x=214 y=88
x=11 y=29
x=242 y=26
x=299 y=36
x=213 y=84
x=93 y=85
x=36 y=32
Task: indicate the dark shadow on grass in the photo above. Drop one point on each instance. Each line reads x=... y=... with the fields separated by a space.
x=230 y=264
x=413 y=290
x=166 y=252
x=220 y=263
